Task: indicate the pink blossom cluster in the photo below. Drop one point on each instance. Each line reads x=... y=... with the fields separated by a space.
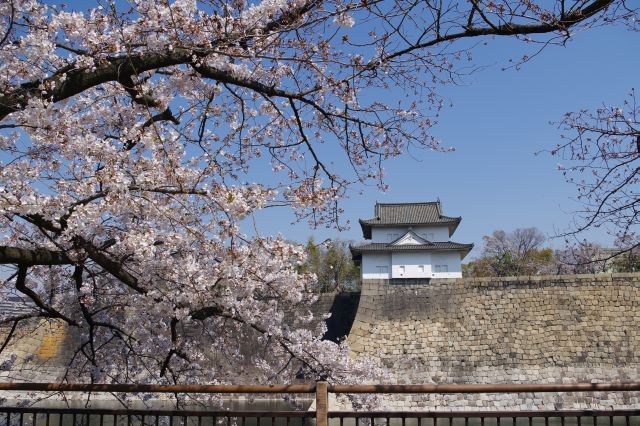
x=130 y=133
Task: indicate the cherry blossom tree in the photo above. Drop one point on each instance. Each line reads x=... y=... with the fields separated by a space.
x=512 y=253
x=131 y=132
x=581 y=257
x=520 y=242
x=601 y=157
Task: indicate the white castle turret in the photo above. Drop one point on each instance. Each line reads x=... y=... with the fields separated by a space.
x=409 y=243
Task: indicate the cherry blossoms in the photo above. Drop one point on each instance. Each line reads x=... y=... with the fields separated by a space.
x=601 y=156
x=131 y=136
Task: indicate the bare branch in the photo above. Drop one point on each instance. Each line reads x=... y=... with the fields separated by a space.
x=29 y=257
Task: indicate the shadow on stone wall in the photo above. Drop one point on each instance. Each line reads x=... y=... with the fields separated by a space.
x=343 y=313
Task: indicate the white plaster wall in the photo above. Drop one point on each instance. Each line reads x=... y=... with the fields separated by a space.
x=388 y=234
x=411 y=262
x=449 y=258
x=440 y=233
x=381 y=235
x=370 y=263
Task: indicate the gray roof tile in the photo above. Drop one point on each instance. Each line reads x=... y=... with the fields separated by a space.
x=413 y=234
x=425 y=213
x=358 y=249
x=384 y=247
x=409 y=213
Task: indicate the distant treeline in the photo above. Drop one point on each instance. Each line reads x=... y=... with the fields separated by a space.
x=331 y=262
x=522 y=252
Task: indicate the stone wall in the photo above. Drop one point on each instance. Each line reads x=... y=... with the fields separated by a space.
x=39 y=351
x=549 y=329
x=554 y=329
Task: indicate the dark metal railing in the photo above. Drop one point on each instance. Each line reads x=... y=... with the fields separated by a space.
x=482 y=418
x=109 y=417
x=485 y=388
x=44 y=416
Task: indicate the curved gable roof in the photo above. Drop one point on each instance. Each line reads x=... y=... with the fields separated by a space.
x=410 y=235
x=424 y=213
x=358 y=249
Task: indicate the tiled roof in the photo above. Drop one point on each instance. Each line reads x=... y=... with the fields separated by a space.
x=426 y=213
x=13 y=307
x=384 y=247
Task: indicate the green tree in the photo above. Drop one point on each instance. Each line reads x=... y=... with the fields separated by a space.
x=626 y=262
x=518 y=252
x=332 y=264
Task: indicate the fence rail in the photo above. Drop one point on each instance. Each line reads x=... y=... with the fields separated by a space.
x=323 y=386
x=321 y=416
x=107 y=417
x=499 y=418
x=131 y=388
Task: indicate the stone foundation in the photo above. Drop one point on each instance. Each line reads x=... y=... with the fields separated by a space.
x=548 y=329
x=552 y=329
x=39 y=351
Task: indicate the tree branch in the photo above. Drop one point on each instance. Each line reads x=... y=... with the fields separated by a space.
x=29 y=257
x=9 y=29
x=111 y=266
x=508 y=29
x=13 y=329
x=71 y=81
x=21 y=286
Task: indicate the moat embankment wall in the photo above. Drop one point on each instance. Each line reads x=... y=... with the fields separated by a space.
x=547 y=329
x=497 y=330
x=40 y=349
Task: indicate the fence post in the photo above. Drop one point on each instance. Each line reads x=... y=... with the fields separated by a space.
x=322 y=404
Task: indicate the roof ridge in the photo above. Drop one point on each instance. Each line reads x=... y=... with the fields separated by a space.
x=452 y=218
x=436 y=245
x=431 y=243
x=410 y=213
x=404 y=204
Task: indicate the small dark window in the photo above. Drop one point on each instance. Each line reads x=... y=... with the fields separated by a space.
x=409 y=281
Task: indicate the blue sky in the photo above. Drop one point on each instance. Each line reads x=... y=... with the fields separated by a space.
x=498 y=121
